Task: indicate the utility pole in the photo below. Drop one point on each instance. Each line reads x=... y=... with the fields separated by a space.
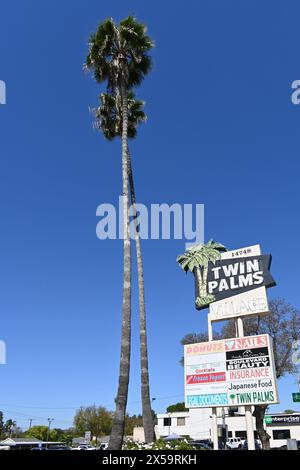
x=48 y=431
x=30 y=423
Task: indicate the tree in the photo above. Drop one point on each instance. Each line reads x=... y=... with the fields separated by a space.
x=18 y=431
x=97 y=420
x=1 y=424
x=58 y=435
x=38 y=432
x=9 y=427
x=177 y=407
x=119 y=56
x=131 y=422
x=109 y=121
x=196 y=259
x=109 y=115
x=283 y=326
x=67 y=435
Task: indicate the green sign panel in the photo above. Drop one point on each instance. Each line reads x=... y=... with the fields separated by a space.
x=268 y=419
x=296 y=397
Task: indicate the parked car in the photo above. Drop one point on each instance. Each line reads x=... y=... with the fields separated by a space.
x=257 y=444
x=103 y=446
x=84 y=447
x=59 y=447
x=200 y=446
x=235 y=443
x=284 y=447
x=202 y=443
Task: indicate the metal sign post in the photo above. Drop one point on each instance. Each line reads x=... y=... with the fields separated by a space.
x=215 y=428
x=214 y=410
x=248 y=410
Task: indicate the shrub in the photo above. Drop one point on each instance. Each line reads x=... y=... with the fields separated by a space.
x=159 y=444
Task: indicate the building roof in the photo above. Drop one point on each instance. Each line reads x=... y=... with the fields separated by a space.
x=19 y=440
x=14 y=441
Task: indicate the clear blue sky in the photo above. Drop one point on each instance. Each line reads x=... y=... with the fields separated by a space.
x=221 y=131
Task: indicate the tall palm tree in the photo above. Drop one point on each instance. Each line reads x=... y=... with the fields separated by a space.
x=196 y=259
x=109 y=121
x=118 y=55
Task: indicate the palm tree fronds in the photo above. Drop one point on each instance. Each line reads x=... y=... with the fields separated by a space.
x=109 y=115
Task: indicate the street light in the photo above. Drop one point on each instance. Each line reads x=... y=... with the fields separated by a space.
x=48 y=431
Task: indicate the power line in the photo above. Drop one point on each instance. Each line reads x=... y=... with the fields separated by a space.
x=11 y=409
x=79 y=406
x=43 y=418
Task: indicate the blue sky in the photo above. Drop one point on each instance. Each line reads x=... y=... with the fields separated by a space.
x=221 y=131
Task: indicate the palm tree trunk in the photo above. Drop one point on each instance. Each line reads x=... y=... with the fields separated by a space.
x=204 y=285
x=148 y=423
x=117 y=432
x=200 y=281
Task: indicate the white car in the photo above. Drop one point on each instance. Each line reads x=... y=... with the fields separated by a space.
x=235 y=443
x=84 y=447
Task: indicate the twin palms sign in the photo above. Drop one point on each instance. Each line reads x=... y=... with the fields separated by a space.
x=196 y=260
x=220 y=276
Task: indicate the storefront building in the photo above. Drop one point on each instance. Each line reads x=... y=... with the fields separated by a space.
x=196 y=424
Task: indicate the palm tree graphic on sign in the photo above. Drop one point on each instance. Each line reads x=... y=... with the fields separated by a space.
x=196 y=259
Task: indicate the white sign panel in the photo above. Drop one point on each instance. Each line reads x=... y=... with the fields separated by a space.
x=246 y=252
x=249 y=303
x=230 y=372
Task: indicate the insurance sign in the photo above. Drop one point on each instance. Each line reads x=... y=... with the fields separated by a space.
x=230 y=372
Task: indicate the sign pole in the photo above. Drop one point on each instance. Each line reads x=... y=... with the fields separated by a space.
x=248 y=411
x=249 y=428
x=209 y=328
x=214 y=410
x=215 y=429
x=240 y=327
